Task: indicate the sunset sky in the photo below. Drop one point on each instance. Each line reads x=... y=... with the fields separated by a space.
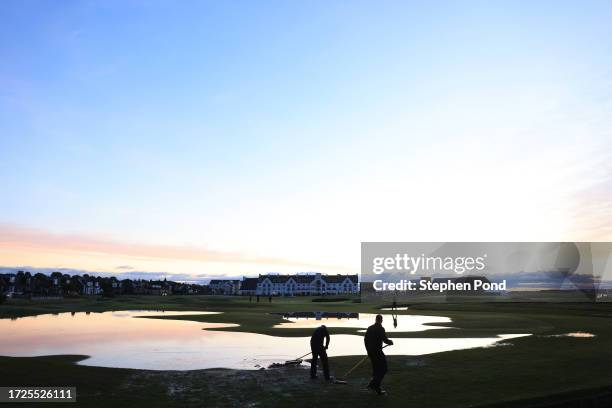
x=227 y=138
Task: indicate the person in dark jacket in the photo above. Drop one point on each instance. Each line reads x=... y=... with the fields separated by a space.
x=374 y=338
x=318 y=350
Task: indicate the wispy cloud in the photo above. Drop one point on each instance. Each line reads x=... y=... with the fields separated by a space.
x=31 y=240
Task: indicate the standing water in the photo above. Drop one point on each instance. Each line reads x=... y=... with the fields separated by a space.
x=118 y=339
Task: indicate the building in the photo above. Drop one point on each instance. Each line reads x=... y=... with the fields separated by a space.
x=248 y=286
x=224 y=286
x=307 y=284
x=160 y=288
x=89 y=286
x=188 y=289
x=25 y=285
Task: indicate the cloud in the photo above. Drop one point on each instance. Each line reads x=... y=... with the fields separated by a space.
x=33 y=241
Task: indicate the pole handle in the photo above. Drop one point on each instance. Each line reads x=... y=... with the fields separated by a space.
x=304 y=355
x=359 y=363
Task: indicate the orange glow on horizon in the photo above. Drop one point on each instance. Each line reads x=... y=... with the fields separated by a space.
x=21 y=247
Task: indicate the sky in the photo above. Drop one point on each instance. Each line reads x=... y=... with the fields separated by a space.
x=211 y=138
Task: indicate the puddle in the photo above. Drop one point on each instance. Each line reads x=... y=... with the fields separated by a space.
x=580 y=335
x=118 y=339
x=405 y=323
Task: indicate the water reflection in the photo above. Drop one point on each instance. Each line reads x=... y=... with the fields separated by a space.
x=319 y=315
x=580 y=335
x=405 y=323
x=117 y=339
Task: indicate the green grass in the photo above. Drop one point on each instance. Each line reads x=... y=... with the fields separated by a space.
x=533 y=371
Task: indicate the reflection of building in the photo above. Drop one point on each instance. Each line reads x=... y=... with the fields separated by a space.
x=307 y=284
x=319 y=315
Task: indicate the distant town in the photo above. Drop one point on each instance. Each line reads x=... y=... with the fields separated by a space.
x=24 y=284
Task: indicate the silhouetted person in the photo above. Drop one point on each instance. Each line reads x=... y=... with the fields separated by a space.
x=250 y=299
x=374 y=338
x=257 y=298
x=318 y=350
x=270 y=299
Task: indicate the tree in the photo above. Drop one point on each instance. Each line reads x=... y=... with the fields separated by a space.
x=128 y=286
x=107 y=287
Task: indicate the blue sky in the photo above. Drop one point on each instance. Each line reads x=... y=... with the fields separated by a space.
x=282 y=134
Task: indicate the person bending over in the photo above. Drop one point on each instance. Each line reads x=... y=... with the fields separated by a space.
x=318 y=350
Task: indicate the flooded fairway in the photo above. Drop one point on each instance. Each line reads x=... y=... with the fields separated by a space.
x=118 y=339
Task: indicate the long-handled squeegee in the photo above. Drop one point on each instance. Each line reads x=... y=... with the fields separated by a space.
x=297 y=360
x=342 y=380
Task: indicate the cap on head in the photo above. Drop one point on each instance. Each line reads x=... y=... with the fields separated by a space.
x=378 y=318
x=323 y=326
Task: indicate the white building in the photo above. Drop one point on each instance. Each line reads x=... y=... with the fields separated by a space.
x=307 y=285
x=224 y=286
x=91 y=288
